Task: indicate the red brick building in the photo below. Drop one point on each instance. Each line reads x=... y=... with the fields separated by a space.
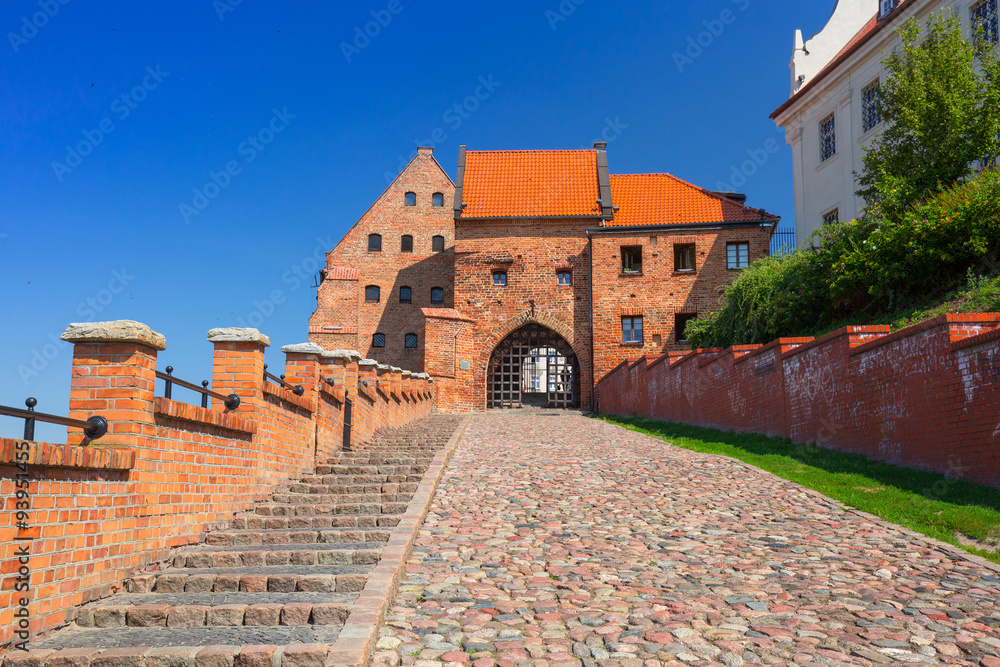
x=533 y=276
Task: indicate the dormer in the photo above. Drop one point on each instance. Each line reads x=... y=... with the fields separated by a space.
x=849 y=18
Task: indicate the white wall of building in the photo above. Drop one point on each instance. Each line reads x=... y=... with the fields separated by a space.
x=824 y=186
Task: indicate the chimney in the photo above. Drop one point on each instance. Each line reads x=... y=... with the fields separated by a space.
x=425 y=150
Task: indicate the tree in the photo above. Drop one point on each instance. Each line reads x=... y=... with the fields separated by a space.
x=941 y=103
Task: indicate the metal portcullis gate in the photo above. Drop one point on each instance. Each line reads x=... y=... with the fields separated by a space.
x=534 y=365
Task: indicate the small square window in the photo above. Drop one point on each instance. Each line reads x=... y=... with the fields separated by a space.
x=737 y=255
x=499 y=278
x=373 y=294
x=632 y=259
x=406 y=244
x=405 y=295
x=832 y=217
x=680 y=327
x=632 y=329
x=410 y=341
x=437 y=244
x=684 y=257
x=827 y=138
x=438 y=199
x=374 y=243
x=565 y=278
x=411 y=198
x=378 y=340
x=437 y=295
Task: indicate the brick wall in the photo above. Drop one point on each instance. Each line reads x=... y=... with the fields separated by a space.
x=924 y=397
x=168 y=470
x=344 y=319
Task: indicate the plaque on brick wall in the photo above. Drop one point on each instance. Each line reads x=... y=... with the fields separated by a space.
x=465 y=365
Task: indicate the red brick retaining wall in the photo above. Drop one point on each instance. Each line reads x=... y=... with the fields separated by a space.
x=925 y=397
x=166 y=471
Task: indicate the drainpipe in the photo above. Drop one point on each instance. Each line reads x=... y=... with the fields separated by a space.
x=593 y=383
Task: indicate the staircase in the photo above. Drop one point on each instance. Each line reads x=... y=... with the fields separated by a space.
x=275 y=587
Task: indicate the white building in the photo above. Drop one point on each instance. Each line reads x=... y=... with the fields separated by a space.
x=830 y=116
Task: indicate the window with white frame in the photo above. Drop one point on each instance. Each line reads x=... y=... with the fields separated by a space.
x=871 y=113
x=984 y=20
x=827 y=138
x=737 y=255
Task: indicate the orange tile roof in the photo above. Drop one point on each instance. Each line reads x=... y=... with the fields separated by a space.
x=514 y=184
x=342 y=273
x=662 y=199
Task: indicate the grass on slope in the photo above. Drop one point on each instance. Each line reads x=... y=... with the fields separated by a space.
x=951 y=510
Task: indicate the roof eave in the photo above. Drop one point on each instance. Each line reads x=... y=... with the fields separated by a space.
x=617 y=229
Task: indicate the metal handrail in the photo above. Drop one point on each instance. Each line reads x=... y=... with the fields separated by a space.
x=298 y=389
x=94 y=427
x=231 y=402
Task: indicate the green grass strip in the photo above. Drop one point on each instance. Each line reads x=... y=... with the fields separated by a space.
x=952 y=510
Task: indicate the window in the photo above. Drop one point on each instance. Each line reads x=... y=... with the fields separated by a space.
x=437 y=243
x=984 y=19
x=680 y=326
x=684 y=257
x=565 y=278
x=831 y=217
x=737 y=255
x=373 y=294
x=632 y=259
x=827 y=138
x=406 y=245
x=405 y=295
x=378 y=340
x=411 y=198
x=499 y=278
x=374 y=243
x=871 y=114
x=410 y=341
x=886 y=7
x=438 y=199
x=437 y=295
x=632 y=329
x=536 y=383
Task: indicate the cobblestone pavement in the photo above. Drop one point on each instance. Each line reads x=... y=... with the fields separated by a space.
x=563 y=540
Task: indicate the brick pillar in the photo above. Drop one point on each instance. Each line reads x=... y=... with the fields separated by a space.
x=238 y=366
x=343 y=367
x=113 y=376
x=367 y=413
x=302 y=366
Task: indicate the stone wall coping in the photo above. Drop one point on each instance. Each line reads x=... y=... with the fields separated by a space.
x=368 y=362
x=237 y=335
x=346 y=355
x=119 y=331
x=302 y=348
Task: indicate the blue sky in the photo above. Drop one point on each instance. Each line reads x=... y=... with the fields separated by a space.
x=184 y=163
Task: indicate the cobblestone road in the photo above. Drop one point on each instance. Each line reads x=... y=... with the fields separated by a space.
x=562 y=540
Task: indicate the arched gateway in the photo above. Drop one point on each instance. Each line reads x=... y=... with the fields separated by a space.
x=533 y=366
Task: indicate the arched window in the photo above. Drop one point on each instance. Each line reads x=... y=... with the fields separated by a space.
x=374 y=243
x=437 y=295
x=405 y=295
x=411 y=198
x=373 y=294
x=410 y=341
x=378 y=340
x=437 y=243
x=438 y=199
x=406 y=245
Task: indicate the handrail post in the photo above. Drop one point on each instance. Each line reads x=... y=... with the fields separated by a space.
x=204 y=397
x=29 y=423
x=168 y=385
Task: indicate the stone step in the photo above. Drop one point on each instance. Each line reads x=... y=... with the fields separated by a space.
x=330 y=509
x=324 y=498
x=192 y=610
x=248 y=521
x=377 y=460
x=345 y=469
x=331 y=535
x=284 y=646
x=264 y=579
x=361 y=479
x=348 y=489
x=258 y=555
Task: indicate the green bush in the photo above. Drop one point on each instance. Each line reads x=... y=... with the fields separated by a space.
x=866 y=267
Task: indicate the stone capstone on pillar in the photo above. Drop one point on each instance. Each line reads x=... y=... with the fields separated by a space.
x=303 y=348
x=238 y=335
x=120 y=331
